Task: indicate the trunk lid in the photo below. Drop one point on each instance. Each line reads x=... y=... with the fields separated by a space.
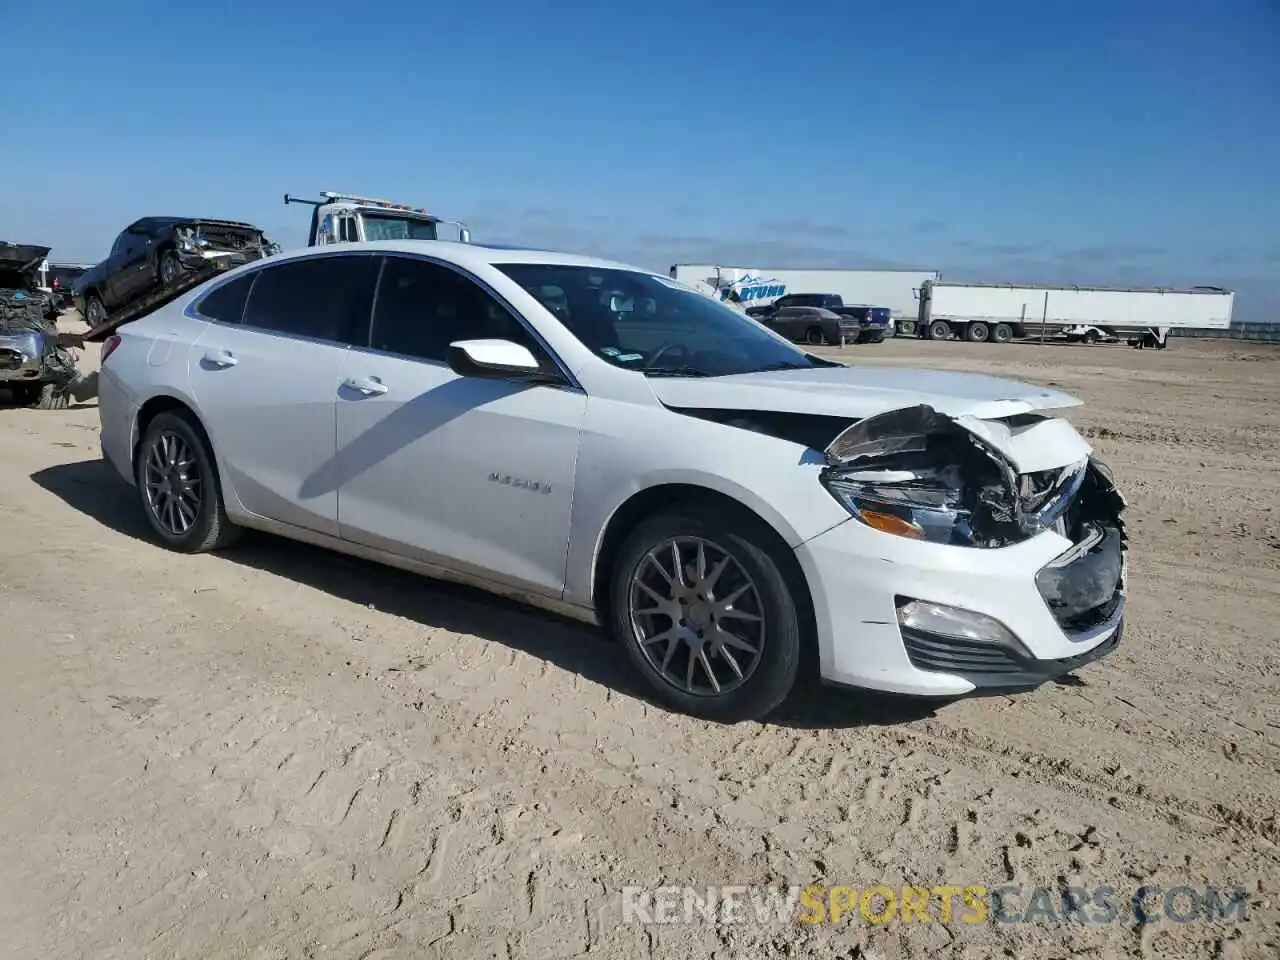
x=22 y=257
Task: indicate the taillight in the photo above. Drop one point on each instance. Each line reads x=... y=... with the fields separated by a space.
x=108 y=345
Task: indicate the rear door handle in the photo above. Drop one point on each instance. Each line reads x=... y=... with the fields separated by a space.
x=220 y=358
x=368 y=386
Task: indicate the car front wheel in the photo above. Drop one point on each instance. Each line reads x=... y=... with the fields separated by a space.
x=179 y=486
x=706 y=615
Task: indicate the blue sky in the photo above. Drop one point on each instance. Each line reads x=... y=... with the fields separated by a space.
x=1083 y=142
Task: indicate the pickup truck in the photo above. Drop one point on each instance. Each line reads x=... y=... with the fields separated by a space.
x=155 y=253
x=873 y=322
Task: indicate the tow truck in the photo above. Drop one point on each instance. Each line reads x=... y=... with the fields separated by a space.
x=349 y=218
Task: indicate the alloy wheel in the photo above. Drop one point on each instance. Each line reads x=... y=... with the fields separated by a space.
x=697 y=616
x=172 y=482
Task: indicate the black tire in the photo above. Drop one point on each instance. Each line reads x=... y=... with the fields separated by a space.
x=907 y=328
x=95 y=314
x=1091 y=336
x=939 y=330
x=53 y=397
x=168 y=269
x=1001 y=333
x=776 y=667
x=977 y=332
x=814 y=336
x=211 y=528
x=24 y=394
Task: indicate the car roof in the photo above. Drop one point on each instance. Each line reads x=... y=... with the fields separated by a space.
x=467 y=254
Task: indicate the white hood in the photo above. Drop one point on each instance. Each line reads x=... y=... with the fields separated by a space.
x=859 y=392
x=972 y=400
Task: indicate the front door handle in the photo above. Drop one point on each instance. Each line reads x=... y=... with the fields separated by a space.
x=368 y=386
x=220 y=358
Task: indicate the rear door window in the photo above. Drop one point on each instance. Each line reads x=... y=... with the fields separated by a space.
x=225 y=303
x=323 y=298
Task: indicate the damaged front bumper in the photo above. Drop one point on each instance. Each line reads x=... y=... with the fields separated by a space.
x=195 y=260
x=985 y=582
x=198 y=248
x=20 y=357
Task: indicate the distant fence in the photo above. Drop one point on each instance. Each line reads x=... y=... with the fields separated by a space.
x=1264 y=332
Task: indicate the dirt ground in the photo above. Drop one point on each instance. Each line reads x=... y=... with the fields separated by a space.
x=277 y=752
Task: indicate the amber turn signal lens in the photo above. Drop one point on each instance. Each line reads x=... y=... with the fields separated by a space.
x=888 y=523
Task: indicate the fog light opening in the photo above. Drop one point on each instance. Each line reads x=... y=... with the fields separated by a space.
x=957 y=623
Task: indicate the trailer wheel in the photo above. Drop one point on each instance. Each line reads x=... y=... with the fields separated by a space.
x=907 y=328
x=939 y=330
x=1001 y=333
x=977 y=332
x=814 y=336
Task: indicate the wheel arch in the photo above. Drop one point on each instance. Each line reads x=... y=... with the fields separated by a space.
x=166 y=403
x=671 y=494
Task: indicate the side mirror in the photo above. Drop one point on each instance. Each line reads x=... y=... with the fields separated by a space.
x=464 y=235
x=495 y=360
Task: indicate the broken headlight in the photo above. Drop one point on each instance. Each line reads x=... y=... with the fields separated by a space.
x=918 y=474
x=191 y=241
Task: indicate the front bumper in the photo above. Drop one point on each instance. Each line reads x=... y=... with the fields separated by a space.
x=20 y=358
x=1059 y=617
x=201 y=259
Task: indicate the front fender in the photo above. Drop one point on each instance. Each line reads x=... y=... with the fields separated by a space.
x=627 y=450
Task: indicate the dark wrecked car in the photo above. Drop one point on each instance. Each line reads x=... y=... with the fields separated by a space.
x=156 y=253
x=813 y=325
x=37 y=364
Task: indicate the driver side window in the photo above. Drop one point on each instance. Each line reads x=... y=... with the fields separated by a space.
x=122 y=241
x=422 y=307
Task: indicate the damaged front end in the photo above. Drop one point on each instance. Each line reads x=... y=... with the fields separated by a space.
x=961 y=481
x=200 y=241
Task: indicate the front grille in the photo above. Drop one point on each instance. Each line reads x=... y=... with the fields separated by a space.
x=227 y=239
x=10 y=359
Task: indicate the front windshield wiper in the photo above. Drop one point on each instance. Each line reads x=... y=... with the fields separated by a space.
x=783 y=365
x=679 y=371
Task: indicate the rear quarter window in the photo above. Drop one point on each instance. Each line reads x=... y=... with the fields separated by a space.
x=225 y=303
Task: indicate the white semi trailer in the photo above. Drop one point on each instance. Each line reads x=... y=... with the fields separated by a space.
x=980 y=312
x=761 y=286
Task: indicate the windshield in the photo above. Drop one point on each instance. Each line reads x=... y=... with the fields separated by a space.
x=380 y=226
x=649 y=323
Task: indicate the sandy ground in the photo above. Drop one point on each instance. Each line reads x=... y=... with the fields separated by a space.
x=277 y=752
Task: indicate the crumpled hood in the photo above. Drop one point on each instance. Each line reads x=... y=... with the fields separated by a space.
x=858 y=392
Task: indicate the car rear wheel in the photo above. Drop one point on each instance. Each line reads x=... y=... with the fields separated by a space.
x=179 y=486
x=706 y=615
x=814 y=336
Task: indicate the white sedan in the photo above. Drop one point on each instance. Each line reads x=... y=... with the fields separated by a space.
x=608 y=442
